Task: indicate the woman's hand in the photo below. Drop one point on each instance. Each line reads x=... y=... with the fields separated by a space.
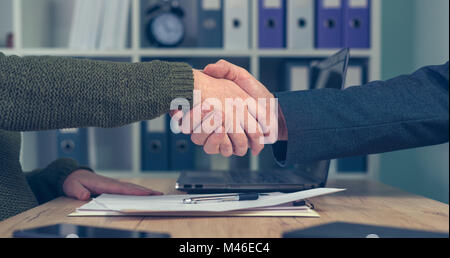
x=81 y=184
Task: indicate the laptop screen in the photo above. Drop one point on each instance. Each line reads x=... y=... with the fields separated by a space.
x=329 y=73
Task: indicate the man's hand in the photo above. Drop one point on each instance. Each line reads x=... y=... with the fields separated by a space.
x=233 y=134
x=81 y=184
x=225 y=70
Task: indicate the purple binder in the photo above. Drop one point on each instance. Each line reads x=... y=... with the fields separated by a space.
x=329 y=29
x=357 y=23
x=272 y=27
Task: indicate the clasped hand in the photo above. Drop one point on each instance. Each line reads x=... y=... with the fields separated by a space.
x=232 y=112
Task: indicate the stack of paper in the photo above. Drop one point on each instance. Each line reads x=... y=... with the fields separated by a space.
x=274 y=204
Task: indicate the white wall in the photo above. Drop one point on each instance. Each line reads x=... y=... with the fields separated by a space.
x=424 y=171
x=431 y=40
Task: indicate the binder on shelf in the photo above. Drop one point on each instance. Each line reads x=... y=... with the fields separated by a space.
x=236 y=162
x=108 y=38
x=210 y=24
x=355 y=77
x=297 y=76
x=155 y=145
x=99 y=24
x=73 y=144
x=300 y=24
x=272 y=29
x=329 y=29
x=96 y=23
x=113 y=148
x=75 y=37
x=124 y=17
x=182 y=152
x=86 y=24
x=236 y=24
x=357 y=23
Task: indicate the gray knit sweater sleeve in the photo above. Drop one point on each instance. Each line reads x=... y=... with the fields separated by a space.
x=44 y=93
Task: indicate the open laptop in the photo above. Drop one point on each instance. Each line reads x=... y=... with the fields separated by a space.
x=329 y=73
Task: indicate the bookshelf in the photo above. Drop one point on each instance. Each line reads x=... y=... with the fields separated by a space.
x=40 y=16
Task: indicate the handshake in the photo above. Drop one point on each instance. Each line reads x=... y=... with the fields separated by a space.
x=232 y=112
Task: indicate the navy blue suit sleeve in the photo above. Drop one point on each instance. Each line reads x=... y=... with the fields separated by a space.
x=405 y=112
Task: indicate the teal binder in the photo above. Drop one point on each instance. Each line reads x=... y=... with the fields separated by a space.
x=210 y=23
x=155 y=145
x=73 y=144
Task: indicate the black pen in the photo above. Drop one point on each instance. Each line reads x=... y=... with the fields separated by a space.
x=223 y=198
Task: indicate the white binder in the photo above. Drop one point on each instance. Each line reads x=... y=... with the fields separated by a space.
x=300 y=24
x=354 y=76
x=297 y=76
x=236 y=24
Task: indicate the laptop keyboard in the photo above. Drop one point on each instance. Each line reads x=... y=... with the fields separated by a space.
x=246 y=176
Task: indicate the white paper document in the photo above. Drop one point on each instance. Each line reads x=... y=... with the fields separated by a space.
x=174 y=203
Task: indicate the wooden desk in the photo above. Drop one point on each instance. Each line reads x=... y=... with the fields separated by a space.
x=363 y=202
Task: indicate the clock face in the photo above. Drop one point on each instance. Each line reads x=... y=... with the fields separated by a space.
x=167 y=29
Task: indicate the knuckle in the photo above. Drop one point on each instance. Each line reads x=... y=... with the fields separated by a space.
x=222 y=61
x=241 y=145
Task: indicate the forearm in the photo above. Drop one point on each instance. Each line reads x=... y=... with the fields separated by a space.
x=405 y=112
x=44 y=93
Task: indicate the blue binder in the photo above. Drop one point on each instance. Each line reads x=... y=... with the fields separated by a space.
x=155 y=145
x=210 y=23
x=272 y=23
x=357 y=23
x=329 y=28
x=73 y=143
x=182 y=152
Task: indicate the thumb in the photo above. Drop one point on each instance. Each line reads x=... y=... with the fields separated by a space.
x=75 y=189
x=224 y=70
